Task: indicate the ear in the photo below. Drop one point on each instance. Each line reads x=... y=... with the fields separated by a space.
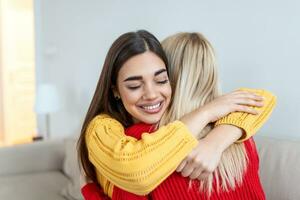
x=115 y=92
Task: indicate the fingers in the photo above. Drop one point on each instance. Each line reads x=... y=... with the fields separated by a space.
x=244 y=101
x=244 y=98
x=181 y=166
x=204 y=175
x=199 y=173
x=249 y=101
x=248 y=95
x=196 y=173
x=246 y=109
x=194 y=168
x=248 y=105
x=187 y=170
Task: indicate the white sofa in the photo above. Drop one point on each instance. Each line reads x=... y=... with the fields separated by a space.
x=48 y=170
x=40 y=171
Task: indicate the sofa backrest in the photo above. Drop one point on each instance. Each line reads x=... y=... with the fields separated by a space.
x=279 y=164
x=279 y=167
x=35 y=157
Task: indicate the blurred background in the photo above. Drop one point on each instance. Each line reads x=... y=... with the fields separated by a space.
x=52 y=51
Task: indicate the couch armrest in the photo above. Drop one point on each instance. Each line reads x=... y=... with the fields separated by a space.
x=35 y=157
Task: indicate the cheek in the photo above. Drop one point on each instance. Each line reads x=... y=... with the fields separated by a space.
x=168 y=92
x=128 y=97
x=124 y=94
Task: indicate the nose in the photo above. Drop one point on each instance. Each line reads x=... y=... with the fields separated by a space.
x=150 y=92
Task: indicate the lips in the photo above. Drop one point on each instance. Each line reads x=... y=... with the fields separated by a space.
x=152 y=108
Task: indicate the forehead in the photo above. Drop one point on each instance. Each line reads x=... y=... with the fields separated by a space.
x=145 y=64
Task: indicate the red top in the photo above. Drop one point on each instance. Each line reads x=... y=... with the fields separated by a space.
x=176 y=187
x=91 y=191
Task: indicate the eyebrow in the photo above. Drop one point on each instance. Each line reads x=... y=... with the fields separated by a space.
x=136 y=78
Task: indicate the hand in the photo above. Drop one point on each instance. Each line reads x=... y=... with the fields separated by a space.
x=202 y=161
x=237 y=101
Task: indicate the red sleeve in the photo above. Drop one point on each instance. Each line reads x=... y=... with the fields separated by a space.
x=91 y=191
x=120 y=194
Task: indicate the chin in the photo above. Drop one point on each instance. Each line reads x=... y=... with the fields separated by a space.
x=151 y=120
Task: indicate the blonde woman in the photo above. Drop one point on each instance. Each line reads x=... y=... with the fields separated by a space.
x=195 y=80
x=188 y=167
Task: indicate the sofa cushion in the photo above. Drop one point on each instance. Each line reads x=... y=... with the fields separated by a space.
x=279 y=167
x=71 y=168
x=33 y=186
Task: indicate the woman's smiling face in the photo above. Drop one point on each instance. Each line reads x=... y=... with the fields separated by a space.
x=144 y=87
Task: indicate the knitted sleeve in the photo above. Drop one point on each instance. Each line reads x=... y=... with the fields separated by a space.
x=248 y=122
x=137 y=166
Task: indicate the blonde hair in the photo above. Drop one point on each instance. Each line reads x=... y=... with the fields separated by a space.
x=194 y=78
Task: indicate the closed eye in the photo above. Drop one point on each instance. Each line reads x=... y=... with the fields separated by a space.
x=133 y=87
x=163 y=82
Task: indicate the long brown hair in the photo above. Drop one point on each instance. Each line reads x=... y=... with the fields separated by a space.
x=103 y=101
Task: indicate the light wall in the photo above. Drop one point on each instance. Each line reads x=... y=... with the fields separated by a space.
x=257 y=44
x=17 y=77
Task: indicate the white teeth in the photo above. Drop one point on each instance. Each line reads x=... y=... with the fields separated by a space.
x=151 y=107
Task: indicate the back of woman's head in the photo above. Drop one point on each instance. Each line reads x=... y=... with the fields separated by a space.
x=123 y=48
x=193 y=75
x=193 y=72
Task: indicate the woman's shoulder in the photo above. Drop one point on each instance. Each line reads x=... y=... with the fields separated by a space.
x=104 y=121
x=102 y=116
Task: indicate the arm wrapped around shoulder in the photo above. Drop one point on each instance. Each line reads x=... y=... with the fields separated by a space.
x=137 y=166
x=248 y=122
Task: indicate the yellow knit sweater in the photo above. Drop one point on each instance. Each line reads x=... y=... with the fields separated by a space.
x=139 y=166
x=251 y=123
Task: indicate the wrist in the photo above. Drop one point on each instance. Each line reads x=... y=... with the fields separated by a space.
x=223 y=136
x=205 y=114
x=214 y=142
